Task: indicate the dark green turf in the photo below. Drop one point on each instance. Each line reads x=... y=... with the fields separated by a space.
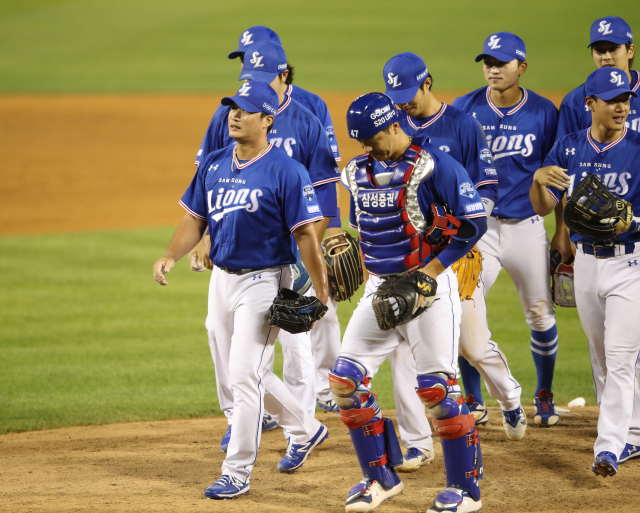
x=87 y=336
x=162 y=45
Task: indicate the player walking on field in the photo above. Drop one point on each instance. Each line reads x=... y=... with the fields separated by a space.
x=252 y=196
x=404 y=194
x=408 y=84
x=607 y=274
x=520 y=127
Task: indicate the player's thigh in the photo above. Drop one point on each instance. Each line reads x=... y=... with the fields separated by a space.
x=489 y=246
x=219 y=321
x=474 y=330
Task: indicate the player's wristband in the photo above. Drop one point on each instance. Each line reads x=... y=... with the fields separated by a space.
x=488 y=205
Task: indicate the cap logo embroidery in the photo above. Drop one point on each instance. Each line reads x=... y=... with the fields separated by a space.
x=246 y=38
x=604 y=28
x=493 y=42
x=257 y=60
x=244 y=90
x=393 y=80
x=616 y=78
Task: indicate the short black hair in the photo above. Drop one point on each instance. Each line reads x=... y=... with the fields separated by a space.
x=289 y=80
x=628 y=46
x=264 y=115
x=422 y=86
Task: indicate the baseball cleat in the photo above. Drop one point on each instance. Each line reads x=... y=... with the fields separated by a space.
x=605 y=465
x=227 y=487
x=268 y=423
x=297 y=453
x=224 y=445
x=545 y=410
x=414 y=459
x=455 y=500
x=515 y=423
x=368 y=494
x=630 y=452
x=478 y=410
x=329 y=406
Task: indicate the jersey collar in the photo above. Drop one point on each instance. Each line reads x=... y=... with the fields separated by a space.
x=435 y=118
x=608 y=146
x=236 y=164
x=516 y=107
x=285 y=103
x=289 y=90
x=635 y=87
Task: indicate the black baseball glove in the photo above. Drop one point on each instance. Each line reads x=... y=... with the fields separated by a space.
x=594 y=211
x=295 y=313
x=344 y=265
x=396 y=300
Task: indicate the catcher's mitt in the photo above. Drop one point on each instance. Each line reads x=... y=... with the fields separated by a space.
x=396 y=300
x=593 y=211
x=468 y=270
x=295 y=313
x=344 y=265
x=562 y=289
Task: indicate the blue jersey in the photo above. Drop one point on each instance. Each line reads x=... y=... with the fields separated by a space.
x=251 y=207
x=615 y=163
x=575 y=115
x=319 y=108
x=519 y=139
x=461 y=136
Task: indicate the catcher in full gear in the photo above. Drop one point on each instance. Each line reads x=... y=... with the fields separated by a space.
x=417 y=213
x=596 y=171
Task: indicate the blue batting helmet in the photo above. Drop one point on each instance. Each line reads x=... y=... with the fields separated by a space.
x=369 y=114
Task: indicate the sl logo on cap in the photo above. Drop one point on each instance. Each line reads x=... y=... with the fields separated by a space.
x=616 y=78
x=604 y=28
x=393 y=80
x=256 y=60
x=246 y=38
x=493 y=42
x=244 y=90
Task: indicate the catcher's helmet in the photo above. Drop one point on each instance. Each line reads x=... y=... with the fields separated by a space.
x=369 y=114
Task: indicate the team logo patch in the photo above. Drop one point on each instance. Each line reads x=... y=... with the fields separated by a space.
x=466 y=189
x=493 y=42
x=256 y=60
x=307 y=192
x=485 y=155
x=244 y=90
x=616 y=78
x=605 y=28
x=393 y=80
x=246 y=38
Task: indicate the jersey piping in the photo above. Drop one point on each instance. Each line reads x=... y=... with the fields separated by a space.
x=515 y=109
x=430 y=122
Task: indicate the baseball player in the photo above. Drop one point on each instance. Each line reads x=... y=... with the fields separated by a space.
x=520 y=127
x=394 y=186
x=325 y=337
x=607 y=279
x=252 y=196
x=303 y=138
x=408 y=84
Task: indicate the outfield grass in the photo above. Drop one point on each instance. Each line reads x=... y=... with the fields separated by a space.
x=162 y=45
x=88 y=337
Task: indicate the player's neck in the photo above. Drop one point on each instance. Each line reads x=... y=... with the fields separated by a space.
x=604 y=135
x=280 y=90
x=247 y=150
x=403 y=143
x=508 y=97
x=431 y=108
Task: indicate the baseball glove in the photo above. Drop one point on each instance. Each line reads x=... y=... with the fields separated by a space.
x=396 y=300
x=593 y=211
x=344 y=265
x=468 y=270
x=562 y=289
x=295 y=313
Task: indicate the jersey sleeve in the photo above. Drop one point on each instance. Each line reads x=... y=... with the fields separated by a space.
x=353 y=222
x=327 y=199
x=299 y=203
x=556 y=157
x=568 y=118
x=321 y=163
x=214 y=136
x=550 y=129
x=477 y=159
x=325 y=118
x=194 y=200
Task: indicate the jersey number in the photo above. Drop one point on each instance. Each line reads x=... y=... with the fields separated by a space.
x=288 y=143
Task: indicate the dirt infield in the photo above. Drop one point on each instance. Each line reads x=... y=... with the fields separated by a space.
x=95 y=162
x=165 y=466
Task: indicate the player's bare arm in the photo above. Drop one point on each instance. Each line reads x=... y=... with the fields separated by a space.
x=560 y=240
x=307 y=240
x=550 y=176
x=187 y=235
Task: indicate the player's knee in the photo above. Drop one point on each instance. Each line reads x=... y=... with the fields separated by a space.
x=433 y=388
x=473 y=354
x=540 y=315
x=347 y=381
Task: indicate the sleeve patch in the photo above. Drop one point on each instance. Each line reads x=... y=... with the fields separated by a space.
x=474 y=207
x=466 y=189
x=485 y=155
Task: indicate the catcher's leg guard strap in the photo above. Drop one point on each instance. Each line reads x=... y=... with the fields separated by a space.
x=433 y=389
x=346 y=376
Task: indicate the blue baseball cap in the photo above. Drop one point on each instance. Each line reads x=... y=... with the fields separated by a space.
x=369 y=114
x=612 y=29
x=253 y=35
x=403 y=74
x=263 y=61
x=254 y=97
x=607 y=83
x=504 y=46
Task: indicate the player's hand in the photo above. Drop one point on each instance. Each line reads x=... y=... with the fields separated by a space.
x=552 y=176
x=199 y=256
x=162 y=267
x=566 y=248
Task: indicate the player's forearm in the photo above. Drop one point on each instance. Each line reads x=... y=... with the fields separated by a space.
x=187 y=235
x=542 y=201
x=320 y=227
x=313 y=260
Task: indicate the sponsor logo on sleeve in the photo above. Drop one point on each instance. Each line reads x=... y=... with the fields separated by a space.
x=474 y=207
x=313 y=209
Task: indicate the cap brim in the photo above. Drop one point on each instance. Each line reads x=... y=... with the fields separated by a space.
x=503 y=57
x=240 y=102
x=258 y=76
x=236 y=54
x=400 y=96
x=616 y=40
x=610 y=95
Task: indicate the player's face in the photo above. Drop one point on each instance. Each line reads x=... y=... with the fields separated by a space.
x=246 y=126
x=382 y=146
x=607 y=54
x=610 y=114
x=502 y=75
x=419 y=104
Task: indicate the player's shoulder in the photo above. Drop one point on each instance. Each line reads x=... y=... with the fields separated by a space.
x=279 y=160
x=300 y=111
x=633 y=137
x=216 y=156
x=572 y=140
x=299 y=93
x=466 y=121
x=222 y=111
x=575 y=97
x=471 y=98
x=538 y=101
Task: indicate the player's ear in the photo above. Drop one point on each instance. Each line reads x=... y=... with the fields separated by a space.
x=591 y=103
x=268 y=122
x=522 y=68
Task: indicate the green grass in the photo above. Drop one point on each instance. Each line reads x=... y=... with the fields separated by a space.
x=88 y=337
x=161 y=45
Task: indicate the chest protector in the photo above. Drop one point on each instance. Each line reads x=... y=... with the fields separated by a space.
x=387 y=212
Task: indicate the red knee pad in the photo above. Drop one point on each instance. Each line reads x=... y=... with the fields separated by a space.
x=355 y=418
x=431 y=396
x=342 y=387
x=457 y=427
